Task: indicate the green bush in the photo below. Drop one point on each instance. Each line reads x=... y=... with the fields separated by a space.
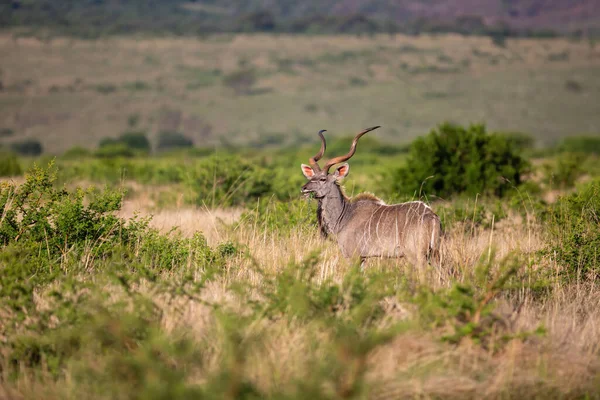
x=76 y=152
x=471 y=214
x=563 y=172
x=232 y=180
x=173 y=140
x=468 y=309
x=136 y=140
x=27 y=147
x=580 y=144
x=110 y=149
x=454 y=160
x=574 y=225
x=9 y=164
x=47 y=231
x=281 y=216
x=521 y=141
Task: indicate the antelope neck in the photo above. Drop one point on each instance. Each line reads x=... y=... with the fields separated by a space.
x=334 y=208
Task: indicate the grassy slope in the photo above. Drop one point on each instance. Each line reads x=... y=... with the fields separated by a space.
x=56 y=92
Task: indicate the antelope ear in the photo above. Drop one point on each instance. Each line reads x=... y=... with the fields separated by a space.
x=308 y=171
x=342 y=171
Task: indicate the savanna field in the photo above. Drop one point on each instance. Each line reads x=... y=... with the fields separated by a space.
x=154 y=243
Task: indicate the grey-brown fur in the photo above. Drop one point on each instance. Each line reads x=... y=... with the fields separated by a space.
x=365 y=226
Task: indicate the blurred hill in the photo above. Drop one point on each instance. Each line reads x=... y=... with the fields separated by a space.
x=509 y=17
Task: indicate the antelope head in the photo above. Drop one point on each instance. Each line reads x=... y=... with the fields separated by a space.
x=320 y=182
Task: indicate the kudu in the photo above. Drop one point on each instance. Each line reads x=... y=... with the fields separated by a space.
x=364 y=225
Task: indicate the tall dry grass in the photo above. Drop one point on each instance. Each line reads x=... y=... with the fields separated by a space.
x=563 y=363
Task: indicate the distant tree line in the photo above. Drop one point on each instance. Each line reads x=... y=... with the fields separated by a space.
x=95 y=18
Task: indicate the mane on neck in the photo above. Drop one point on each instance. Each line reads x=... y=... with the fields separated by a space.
x=366 y=196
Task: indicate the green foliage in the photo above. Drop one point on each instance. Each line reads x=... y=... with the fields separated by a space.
x=520 y=141
x=293 y=293
x=471 y=214
x=277 y=216
x=27 y=147
x=173 y=140
x=110 y=148
x=574 y=225
x=38 y=213
x=52 y=228
x=563 y=171
x=233 y=180
x=76 y=152
x=95 y=306
x=454 y=160
x=580 y=144
x=126 y=145
x=9 y=164
x=136 y=140
x=467 y=309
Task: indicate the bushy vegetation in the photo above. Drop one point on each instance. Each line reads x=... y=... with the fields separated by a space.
x=455 y=160
x=9 y=164
x=562 y=172
x=275 y=216
x=172 y=140
x=229 y=180
x=574 y=224
x=580 y=144
x=27 y=147
x=126 y=145
x=118 y=309
x=54 y=240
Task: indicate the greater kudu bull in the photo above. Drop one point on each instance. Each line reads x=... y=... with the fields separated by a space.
x=364 y=225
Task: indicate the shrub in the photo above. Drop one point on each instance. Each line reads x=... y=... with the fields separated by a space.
x=521 y=141
x=454 y=160
x=564 y=171
x=173 y=140
x=281 y=216
x=580 y=144
x=27 y=147
x=471 y=214
x=76 y=152
x=45 y=228
x=9 y=164
x=136 y=140
x=467 y=309
x=574 y=224
x=133 y=141
x=229 y=180
x=110 y=149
